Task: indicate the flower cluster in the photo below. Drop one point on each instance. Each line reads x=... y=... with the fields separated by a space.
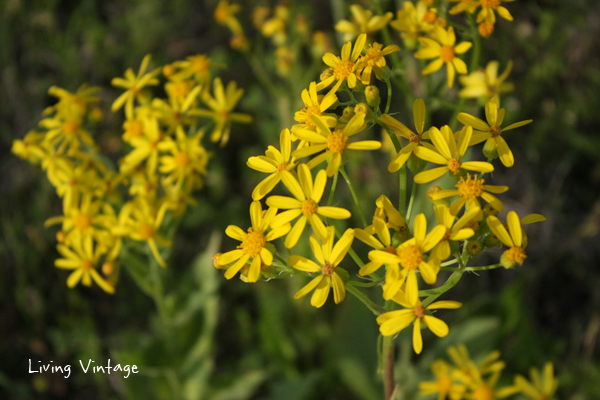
x=462 y=378
x=166 y=160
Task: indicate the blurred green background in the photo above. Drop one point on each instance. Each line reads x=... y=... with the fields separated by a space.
x=218 y=339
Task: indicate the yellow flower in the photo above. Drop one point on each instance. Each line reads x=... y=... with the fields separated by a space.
x=454 y=233
x=343 y=69
x=30 y=148
x=72 y=105
x=515 y=254
x=83 y=259
x=363 y=21
x=314 y=105
x=464 y=5
x=491 y=131
x=387 y=211
x=304 y=205
x=411 y=21
x=449 y=153
x=469 y=191
x=224 y=15
x=329 y=257
x=444 y=383
x=275 y=162
x=275 y=27
x=334 y=143
x=65 y=133
x=373 y=59
x=145 y=148
x=253 y=243
x=72 y=181
x=197 y=66
x=486 y=83
x=392 y=322
x=415 y=139
x=221 y=106
x=187 y=155
x=464 y=366
x=444 y=49
x=410 y=256
x=134 y=84
x=486 y=390
x=541 y=387
x=487 y=11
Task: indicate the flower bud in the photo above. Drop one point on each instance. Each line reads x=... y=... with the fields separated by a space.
x=430 y=16
x=491 y=240
x=108 y=268
x=61 y=237
x=372 y=95
x=347 y=114
x=168 y=70
x=328 y=73
x=490 y=149
x=474 y=247
x=486 y=29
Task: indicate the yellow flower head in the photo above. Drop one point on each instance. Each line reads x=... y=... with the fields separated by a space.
x=454 y=231
x=343 y=69
x=542 y=387
x=487 y=11
x=411 y=21
x=134 y=84
x=334 y=143
x=374 y=59
x=491 y=131
x=515 y=253
x=363 y=21
x=225 y=15
x=444 y=384
x=443 y=48
x=314 y=104
x=328 y=257
x=253 y=243
x=392 y=322
x=486 y=83
x=304 y=205
x=448 y=152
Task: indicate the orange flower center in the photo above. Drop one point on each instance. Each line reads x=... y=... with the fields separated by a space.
x=281 y=167
x=200 y=63
x=447 y=53
x=415 y=139
x=87 y=265
x=253 y=243
x=495 y=131
x=419 y=311
x=181 y=159
x=486 y=29
x=444 y=383
x=470 y=188
x=309 y=207
x=454 y=164
x=337 y=142
x=327 y=269
x=108 y=268
x=516 y=254
x=490 y=3
x=82 y=222
x=410 y=256
x=374 y=54
x=430 y=17
x=70 y=127
x=313 y=110
x=483 y=392
x=390 y=249
x=343 y=69
x=146 y=231
x=133 y=127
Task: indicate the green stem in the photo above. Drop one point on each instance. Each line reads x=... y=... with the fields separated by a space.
x=354 y=196
x=374 y=282
x=485 y=268
x=413 y=191
x=375 y=309
x=332 y=190
x=389 y=99
x=388 y=366
x=402 y=202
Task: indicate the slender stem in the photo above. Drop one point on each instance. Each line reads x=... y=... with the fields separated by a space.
x=485 y=268
x=445 y=264
x=388 y=366
x=375 y=309
x=354 y=196
x=374 y=282
x=356 y=258
x=402 y=202
x=332 y=190
x=389 y=99
x=413 y=191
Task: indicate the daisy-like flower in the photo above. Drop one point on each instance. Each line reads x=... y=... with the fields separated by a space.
x=515 y=253
x=464 y=366
x=491 y=131
x=221 y=106
x=481 y=389
x=415 y=139
x=487 y=11
x=314 y=105
x=464 y=5
x=444 y=383
x=470 y=190
x=225 y=15
x=389 y=213
x=343 y=69
x=253 y=243
x=410 y=256
x=443 y=48
x=74 y=104
x=541 y=387
x=83 y=259
x=186 y=155
x=328 y=257
x=449 y=153
x=411 y=21
x=67 y=133
x=363 y=21
x=486 y=83
x=197 y=66
x=374 y=59
x=392 y=322
x=275 y=162
x=334 y=143
x=304 y=205
x=134 y=84
x=145 y=147
x=454 y=231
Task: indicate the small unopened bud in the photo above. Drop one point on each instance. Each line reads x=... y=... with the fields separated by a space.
x=215 y=260
x=108 y=268
x=361 y=108
x=490 y=149
x=168 y=70
x=61 y=237
x=474 y=247
x=486 y=29
x=491 y=240
x=430 y=17
x=328 y=73
x=347 y=114
x=372 y=95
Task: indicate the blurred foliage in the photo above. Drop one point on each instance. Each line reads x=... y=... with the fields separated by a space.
x=204 y=340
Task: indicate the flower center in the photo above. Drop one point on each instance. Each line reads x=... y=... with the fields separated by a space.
x=253 y=243
x=313 y=110
x=309 y=207
x=180 y=89
x=454 y=164
x=336 y=142
x=361 y=108
x=495 y=131
x=447 y=53
x=70 y=127
x=327 y=269
x=343 y=69
x=146 y=231
x=415 y=139
x=82 y=222
x=516 y=254
x=410 y=256
x=200 y=63
x=391 y=250
x=419 y=311
x=430 y=17
x=133 y=127
x=483 y=392
x=224 y=114
x=470 y=188
x=182 y=159
x=486 y=29
x=444 y=384
x=281 y=167
x=374 y=54
x=490 y=3
x=446 y=235
x=87 y=265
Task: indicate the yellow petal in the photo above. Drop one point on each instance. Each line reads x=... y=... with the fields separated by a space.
x=235 y=268
x=306 y=181
x=334 y=212
x=430 y=175
x=254 y=272
x=436 y=325
x=417 y=338
x=420 y=228
x=514 y=227
x=230 y=256
x=293 y=186
x=321 y=293
x=235 y=232
x=283 y=202
x=429 y=155
x=506 y=156
x=393 y=325
x=339 y=290
x=341 y=247
x=319 y=186
x=318 y=226
x=304 y=264
x=412 y=289
x=419 y=115
x=294 y=235
x=491 y=111
x=447 y=304
x=499 y=230
x=475 y=122
x=308 y=287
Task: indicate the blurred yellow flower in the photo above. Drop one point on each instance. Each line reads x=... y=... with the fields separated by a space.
x=541 y=387
x=314 y=104
x=134 y=84
x=374 y=59
x=363 y=21
x=411 y=22
x=486 y=83
x=444 y=383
